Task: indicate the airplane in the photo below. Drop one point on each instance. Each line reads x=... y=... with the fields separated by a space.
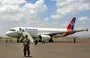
x=45 y=33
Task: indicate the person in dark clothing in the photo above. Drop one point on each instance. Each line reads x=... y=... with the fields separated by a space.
x=26 y=44
x=74 y=40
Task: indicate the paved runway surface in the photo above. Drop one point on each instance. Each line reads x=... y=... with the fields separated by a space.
x=48 y=50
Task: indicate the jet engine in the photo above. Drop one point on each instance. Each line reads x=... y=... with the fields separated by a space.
x=45 y=38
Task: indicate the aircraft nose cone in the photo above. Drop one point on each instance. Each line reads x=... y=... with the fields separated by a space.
x=11 y=34
x=8 y=33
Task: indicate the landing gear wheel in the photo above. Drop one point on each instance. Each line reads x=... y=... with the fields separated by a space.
x=51 y=40
x=36 y=42
x=17 y=41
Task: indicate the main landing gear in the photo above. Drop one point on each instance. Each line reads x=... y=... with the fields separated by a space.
x=51 y=40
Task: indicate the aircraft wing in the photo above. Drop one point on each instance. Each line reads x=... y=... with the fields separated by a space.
x=80 y=30
x=64 y=33
x=52 y=34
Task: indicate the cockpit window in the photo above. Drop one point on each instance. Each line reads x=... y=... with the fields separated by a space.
x=12 y=30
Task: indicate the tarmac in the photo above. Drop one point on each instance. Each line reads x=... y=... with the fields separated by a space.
x=58 y=49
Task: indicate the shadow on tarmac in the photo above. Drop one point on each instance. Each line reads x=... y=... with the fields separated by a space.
x=28 y=57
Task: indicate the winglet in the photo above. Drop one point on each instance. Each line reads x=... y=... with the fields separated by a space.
x=71 y=24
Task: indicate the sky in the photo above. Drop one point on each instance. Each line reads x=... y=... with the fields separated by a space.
x=44 y=13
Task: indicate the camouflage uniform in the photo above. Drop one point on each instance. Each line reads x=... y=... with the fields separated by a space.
x=26 y=43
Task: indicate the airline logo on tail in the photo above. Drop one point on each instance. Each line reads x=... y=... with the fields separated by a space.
x=71 y=24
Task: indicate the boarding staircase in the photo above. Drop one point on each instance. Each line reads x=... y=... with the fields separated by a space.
x=29 y=36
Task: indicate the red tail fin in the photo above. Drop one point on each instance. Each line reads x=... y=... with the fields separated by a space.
x=71 y=24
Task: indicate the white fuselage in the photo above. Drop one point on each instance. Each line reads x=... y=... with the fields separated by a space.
x=35 y=31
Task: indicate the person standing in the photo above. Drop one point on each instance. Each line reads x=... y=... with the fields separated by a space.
x=74 y=40
x=26 y=43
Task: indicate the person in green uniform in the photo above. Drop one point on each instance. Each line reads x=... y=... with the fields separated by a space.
x=26 y=43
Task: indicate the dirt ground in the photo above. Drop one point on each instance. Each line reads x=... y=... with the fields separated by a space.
x=58 y=49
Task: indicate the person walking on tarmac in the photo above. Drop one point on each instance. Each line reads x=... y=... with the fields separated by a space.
x=74 y=40
x=26 y=44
